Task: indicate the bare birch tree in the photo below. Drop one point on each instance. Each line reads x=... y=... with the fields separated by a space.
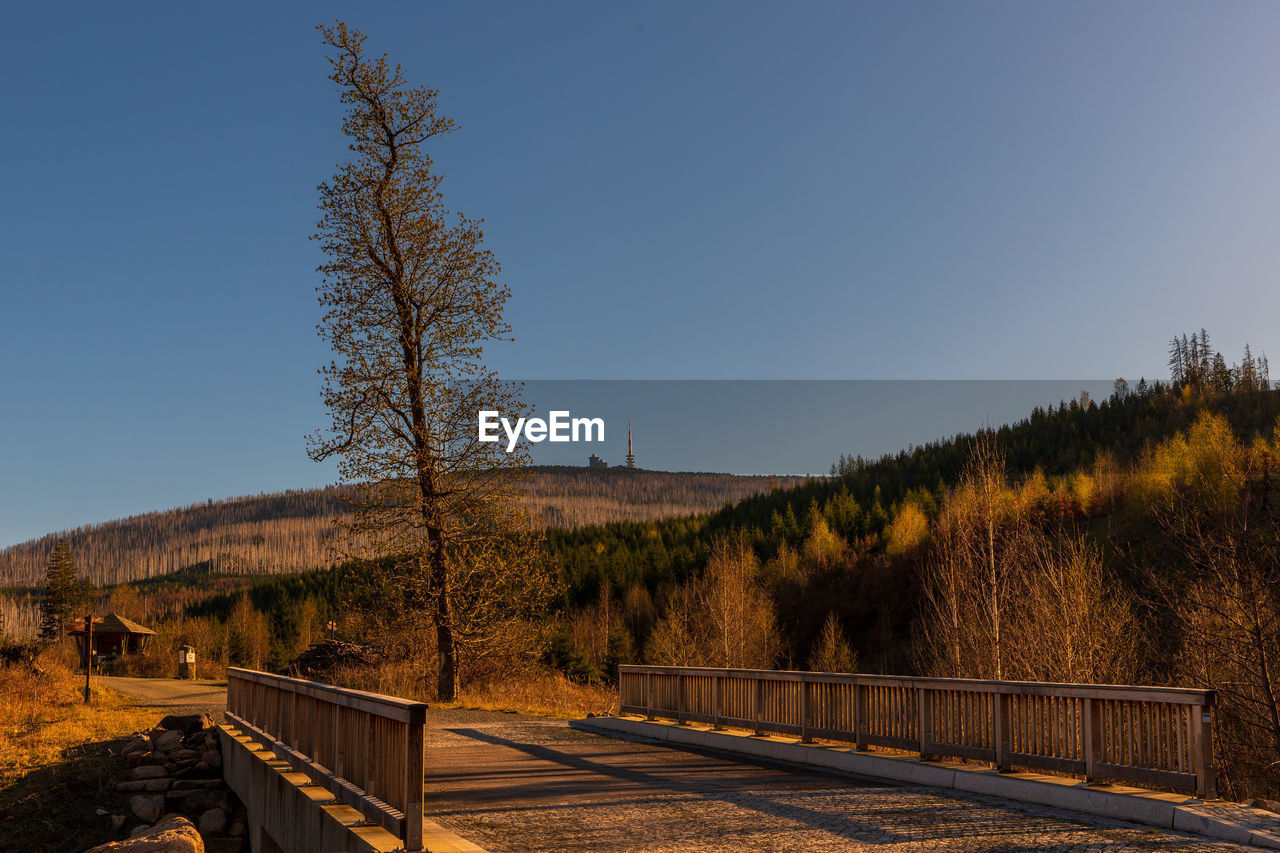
x=979 y=546
x=1226 y=603
x=411 y=298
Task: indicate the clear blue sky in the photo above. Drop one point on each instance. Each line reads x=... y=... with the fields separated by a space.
x=687 y=190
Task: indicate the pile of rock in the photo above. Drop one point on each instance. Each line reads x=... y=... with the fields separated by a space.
x=176 y=770
x=323 y=659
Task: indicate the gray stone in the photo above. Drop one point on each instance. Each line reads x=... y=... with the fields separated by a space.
x=149 y=771
x=168 y=741
x=181 y=755
x=139 y=830
x=137 y=745
x=236 y=830
x=213 y=822
x=171 y=834
x=117 y=821
x=184 y=723
x=223 y=845
x=147 y=807
x=211 y=759
x=143 y=785
x=1268 y=805
x=192 y=784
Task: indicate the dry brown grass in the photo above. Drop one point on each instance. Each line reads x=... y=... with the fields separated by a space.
x=534 y=691
x=42 y=714
x=547 y=694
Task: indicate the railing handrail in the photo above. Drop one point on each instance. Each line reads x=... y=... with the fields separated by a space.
x=1172 y=695
x=370 y=750
x=1160 y=736
x=391 y=707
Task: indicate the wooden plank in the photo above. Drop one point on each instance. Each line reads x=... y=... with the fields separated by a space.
x=804 y=712
x=391 y=707
x=1092 y=740
x=1001 y=735
x=956 y=750
x=1206 y=782
x=1173 y=695
x=377 y=811
x=1045 y=762
x=413 y=776
x=1148 y=776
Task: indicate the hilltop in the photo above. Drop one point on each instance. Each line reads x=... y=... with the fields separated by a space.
x=296 y=530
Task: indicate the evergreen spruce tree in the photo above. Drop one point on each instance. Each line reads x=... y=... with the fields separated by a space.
x=63 y=593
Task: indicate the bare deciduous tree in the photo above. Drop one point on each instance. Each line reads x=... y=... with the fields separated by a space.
x=832 y=652
x=1226 y=603
x=411 y=298
x=979 y=545
x=724 y=617
x=1072 y=621
x=740 y=625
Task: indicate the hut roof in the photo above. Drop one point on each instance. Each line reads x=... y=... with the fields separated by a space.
x=114 y=623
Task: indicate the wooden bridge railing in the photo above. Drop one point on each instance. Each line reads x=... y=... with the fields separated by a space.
x=364 y=747
x=1159 y=736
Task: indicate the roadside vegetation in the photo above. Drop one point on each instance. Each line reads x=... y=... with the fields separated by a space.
x=56 y=753
x=42 y=710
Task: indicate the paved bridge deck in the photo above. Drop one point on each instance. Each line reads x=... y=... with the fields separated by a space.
x=513 y=783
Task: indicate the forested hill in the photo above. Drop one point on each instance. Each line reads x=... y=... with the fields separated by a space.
x=861 y=499
x=1056 y=441
x=293 y=531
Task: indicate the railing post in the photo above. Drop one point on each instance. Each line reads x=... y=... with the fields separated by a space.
x=337 y=739
x=1000 y=734
x=1091 y=737
x=804 y=711
x=859 y=717
x=757 y=699
x=415 y=768
x=648 y=695
x=924 y=721
x=716 y=711
x=680 y=699
x=1206 y=783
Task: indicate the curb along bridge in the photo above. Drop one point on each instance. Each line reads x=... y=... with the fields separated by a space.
x=779 y=760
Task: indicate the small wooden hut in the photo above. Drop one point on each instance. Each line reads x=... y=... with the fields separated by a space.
x=114 y=635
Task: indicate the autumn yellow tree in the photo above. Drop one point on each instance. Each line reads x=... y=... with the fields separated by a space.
x=831 y=653
x=979 y=550
x=724 y=617
x=411 y=297
x=1214 y=497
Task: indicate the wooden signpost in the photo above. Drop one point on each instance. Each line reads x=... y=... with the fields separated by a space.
x=85 y=623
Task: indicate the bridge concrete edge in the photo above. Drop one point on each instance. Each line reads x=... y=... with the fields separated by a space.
x=1150 y=808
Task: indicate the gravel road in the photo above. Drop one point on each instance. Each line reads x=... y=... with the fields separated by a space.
x=185 y=697
x=514 y=784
